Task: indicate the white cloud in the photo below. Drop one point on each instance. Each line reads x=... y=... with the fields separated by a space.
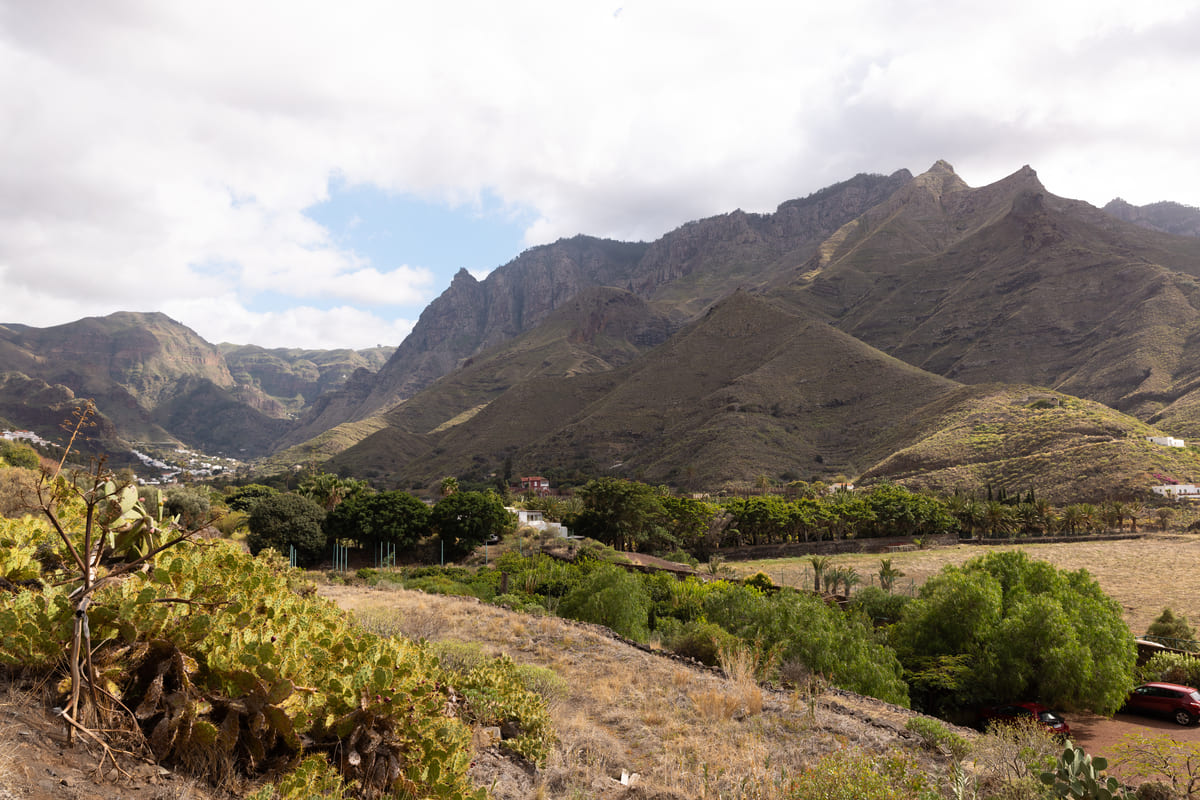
x=163 y=155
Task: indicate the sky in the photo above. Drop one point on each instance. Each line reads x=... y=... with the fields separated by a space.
x=294 y=173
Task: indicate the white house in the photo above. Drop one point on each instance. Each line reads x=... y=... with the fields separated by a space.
x=1178 y=490
x=1166 y=441
x=537 y=521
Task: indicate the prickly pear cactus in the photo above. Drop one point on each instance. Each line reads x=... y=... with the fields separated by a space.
x=1079 y=777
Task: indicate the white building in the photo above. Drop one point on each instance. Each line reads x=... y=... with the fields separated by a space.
x=537 y=521
x=1177 y=490
x=1166 y=441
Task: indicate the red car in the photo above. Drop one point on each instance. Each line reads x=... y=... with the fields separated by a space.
x=1180 y=703
x=1015 y=712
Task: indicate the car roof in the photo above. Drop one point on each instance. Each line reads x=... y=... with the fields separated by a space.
x=1179 y=687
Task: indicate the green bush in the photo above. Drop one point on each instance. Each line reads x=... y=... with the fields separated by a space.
x=861 y=776
x=19 y=454
x=700 y=640
x=934 y=735
x=192 y=506
x=1173 y=631
x=802 y=629
x=880 y=607
x=1171 y=668
x=612 y=597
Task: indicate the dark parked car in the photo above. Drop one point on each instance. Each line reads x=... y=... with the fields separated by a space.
x=1180 y=703
x=1016 y=712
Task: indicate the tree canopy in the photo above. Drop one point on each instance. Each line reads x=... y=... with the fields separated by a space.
x=465 y=520
x=388 y=517
x=1004 y=627
x=287 y=519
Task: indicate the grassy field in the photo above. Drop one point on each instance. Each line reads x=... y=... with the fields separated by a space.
x=1143 y=575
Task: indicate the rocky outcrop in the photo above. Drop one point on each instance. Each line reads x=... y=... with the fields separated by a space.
x=1163 y=217
x=472 y=315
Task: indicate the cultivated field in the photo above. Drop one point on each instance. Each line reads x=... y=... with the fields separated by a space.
x=1143 y=575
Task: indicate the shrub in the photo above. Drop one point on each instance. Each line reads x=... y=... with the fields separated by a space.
x=612 y=597
x=761 y=581
x=192 y=506
x=19 y=454
x=1171 y=668
x=700 y=640
x=1173 y=631
x=878 y=606
x=802 y=628
x=860 y=776
x=934 y=735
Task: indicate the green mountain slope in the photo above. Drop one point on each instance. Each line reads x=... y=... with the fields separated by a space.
x=1018 y=437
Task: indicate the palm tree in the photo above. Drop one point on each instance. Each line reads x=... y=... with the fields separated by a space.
x=449 y=485
x=850 y=579
x=1072 y=517
x=998 y=518
x=819 y=564
x=833 y=579
x=1114 y=512
x=1135 y=510
x=1164 y=516
x=888 y=574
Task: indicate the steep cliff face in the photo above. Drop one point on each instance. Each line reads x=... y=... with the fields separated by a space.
x=697 y=264
x=683 y=272
x=472 y=315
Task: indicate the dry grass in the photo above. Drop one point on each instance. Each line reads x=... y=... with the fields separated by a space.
x=1143 y=575
x=689 y=733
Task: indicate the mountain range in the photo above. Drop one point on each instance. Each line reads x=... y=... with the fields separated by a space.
x=904 y=327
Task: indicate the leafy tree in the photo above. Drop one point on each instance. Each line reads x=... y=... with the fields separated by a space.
x=688 y=522
x=284 y=520
x=802 y=628
x=1020 y=628
x=848 y=514
x=612 y=597
x=388 y=517
x=243 y=498
x=1176 y=629
x=623 y=514
x=465 y=520
x=895 y=511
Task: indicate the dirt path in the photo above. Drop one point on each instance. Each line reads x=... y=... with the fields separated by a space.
x=1100 y=736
